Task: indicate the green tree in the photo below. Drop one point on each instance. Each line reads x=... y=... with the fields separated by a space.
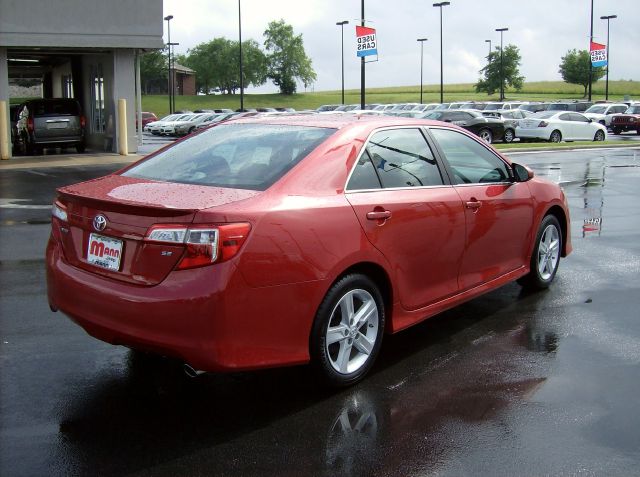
x=286 y=58
x=216 y=64
x=153 y=69
x=574 y=68
x=490 y=83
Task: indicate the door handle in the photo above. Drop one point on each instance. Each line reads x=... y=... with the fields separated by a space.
x=379 y=215
x=473 y=204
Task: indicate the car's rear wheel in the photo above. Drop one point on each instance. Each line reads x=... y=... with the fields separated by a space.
x=347 y=331
x=486 y=136
x=546 y=255
x=80 y=148
x=556 y=136
x=599 y=136
x=509 y=135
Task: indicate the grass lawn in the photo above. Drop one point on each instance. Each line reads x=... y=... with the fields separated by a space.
x=534 y=91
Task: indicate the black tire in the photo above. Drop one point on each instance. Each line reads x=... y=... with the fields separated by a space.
x=599 y=135
x=537 y=279
x=81 y=147
x=617 y=130
x=509 y=135
x=363 y=293
x=191 y=129
x=486 y=135
x=556 y=136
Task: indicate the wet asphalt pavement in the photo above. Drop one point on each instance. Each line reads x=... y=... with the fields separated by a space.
x=511 y=383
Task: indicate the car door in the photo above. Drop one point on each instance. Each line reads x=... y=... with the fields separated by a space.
x=583 y=129
x=498 y=211
x=567 y=126
x=410 y=213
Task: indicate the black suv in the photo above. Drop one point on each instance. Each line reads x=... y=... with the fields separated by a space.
x=50 y=123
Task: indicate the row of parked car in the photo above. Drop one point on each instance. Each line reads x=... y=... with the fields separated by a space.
x=491 y=121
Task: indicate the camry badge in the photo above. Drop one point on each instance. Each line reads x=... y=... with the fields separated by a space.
x=99 y=222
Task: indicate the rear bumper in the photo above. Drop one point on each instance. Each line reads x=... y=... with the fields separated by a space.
x=207 y=317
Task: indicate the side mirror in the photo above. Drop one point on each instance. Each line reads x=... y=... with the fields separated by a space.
x=521 y=173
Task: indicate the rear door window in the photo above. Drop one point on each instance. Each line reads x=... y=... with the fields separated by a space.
x=402 y=158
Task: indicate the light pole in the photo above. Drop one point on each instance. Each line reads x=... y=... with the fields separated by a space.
x=172 y=71
x=362 y=63
x=168 y=18
x=421 y=40
x=501 y=30
x=341 y=25
x=606 y=90
x=590 y=62
x=241 y=69
x=489 y=55
x=440 y=5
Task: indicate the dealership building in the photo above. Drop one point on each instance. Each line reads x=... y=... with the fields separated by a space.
x=83 y=49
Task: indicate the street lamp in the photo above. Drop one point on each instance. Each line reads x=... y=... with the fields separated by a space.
x=489 y=55
x=172 y=73
x=241 y=69
x=421 y=40
x=608 y=17
x=501 y=30
x=341 y=25
x=168 y=18
x=440 y=5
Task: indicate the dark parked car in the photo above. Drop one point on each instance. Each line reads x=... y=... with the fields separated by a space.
x=283 y=240
x=51 y=123
x=627 y=121
x=489 y=129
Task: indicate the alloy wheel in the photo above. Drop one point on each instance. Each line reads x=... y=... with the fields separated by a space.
x=548 y=252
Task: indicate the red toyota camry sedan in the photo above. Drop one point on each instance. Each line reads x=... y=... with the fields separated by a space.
x=286 y=240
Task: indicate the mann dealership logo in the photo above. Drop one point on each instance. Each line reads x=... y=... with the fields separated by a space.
x=99 y=222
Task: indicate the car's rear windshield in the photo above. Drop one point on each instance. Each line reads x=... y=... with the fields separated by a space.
x=240 y=156
x=54 y=108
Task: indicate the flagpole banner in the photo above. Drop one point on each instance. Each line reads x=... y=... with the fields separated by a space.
x=366 y=44
x=598 y=54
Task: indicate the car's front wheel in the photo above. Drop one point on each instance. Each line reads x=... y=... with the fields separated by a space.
x=599 y=135
x=347 y=331
x=546 y=255
x=509 y=135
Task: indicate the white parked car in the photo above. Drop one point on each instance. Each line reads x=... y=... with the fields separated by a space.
x=603 y=112
x=556 y=126
x=154 y=127
x=169 y=127
x=183 y=128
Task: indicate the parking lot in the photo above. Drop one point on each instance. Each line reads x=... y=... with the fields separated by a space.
x=511 y=383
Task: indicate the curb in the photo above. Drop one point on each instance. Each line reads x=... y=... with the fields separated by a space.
x=67 y=160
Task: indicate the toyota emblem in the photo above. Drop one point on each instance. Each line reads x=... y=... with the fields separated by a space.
x=99 y=222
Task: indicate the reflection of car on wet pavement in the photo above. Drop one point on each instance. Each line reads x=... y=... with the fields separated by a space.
x=278 y=241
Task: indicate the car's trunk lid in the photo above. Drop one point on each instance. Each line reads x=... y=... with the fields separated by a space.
x=129 y=207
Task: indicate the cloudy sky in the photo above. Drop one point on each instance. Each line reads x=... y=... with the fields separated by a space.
x=544 y=30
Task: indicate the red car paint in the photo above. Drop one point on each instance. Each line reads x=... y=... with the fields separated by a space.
x=432 y=251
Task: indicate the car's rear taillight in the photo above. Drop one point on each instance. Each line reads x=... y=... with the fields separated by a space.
x=83 y=122
x=30 y=124
x=204 y=244
x=543 y=124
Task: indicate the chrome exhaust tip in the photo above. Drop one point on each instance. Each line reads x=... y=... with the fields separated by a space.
x=192 y=373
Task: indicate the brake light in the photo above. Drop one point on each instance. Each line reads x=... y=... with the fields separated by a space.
x=83 y=122
x=30 y=124
x=543 y=124
x=204 y=244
